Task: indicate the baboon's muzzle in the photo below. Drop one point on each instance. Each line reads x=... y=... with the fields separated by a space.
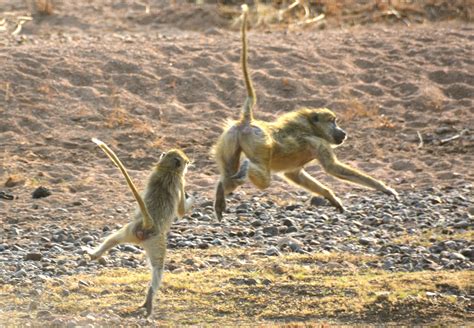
x=339 y=136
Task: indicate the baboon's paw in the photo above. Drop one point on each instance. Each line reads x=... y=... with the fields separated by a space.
x=241 y=175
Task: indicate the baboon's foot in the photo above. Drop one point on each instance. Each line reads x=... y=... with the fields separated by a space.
x=219 y=203
x=242 y=174
x=93 y=255
x=148 y=304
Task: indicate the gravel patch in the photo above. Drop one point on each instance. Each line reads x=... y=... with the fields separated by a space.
x=375 y=225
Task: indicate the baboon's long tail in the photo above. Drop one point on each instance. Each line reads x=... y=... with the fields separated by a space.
x=147 y=221
x=247 y=112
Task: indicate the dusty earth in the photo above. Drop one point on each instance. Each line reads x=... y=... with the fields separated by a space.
x=144 y=83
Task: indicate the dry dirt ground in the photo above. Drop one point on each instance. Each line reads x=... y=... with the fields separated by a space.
x=144 y=83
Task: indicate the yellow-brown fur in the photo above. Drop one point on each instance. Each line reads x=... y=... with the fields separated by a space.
x=283 y=146
x=164 y=199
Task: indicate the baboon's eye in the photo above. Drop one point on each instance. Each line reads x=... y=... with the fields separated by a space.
x=315 y=118
x=177 y=162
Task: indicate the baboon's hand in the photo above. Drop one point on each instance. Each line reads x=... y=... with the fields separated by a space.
x=392 y=192
x=336 y=203
x=339 y=206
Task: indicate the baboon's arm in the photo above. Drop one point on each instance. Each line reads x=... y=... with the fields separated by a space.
x=185 y=203
x=331 y=165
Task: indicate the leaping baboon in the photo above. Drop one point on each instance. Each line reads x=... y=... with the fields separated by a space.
x=284 y=146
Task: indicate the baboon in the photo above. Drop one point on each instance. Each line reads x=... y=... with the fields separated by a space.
x=163 y=199
x=284 y=146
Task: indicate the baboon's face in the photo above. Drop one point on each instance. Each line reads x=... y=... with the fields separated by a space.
x=324 y=124
x=174 y=160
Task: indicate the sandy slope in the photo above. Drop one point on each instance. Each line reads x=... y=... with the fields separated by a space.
x=148 y=90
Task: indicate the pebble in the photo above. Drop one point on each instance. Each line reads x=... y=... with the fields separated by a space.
x=271 y=231
x=41 y=192
x=33 y=256
x=373 y=224
x=272 y=251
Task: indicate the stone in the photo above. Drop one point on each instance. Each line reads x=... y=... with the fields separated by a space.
x=367 y=241
x=318 y=201
x=272 y=251
x=41 y=192
x=271 y=231
x=33 y=256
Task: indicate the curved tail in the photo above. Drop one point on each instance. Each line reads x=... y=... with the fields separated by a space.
x=250 y=101
x=147 y=221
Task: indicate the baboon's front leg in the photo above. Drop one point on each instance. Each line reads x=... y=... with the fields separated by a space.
x=185 y=203
x=303 y=179
x=332 y=166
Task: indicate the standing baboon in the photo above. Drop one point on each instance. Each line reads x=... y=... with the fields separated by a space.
x=284 y=146
x=164 y=199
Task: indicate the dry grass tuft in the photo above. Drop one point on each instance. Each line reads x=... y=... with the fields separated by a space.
x=232 y=286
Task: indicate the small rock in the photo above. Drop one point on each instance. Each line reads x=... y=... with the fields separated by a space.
x=366 y=241
x=256 y=223
x=403 y=165
x=41 y=192
x=20 y=273
x=318 y=201
x=43 y=314
x=292 y=243
x=271 y=231
x=87 y=239
x=82 y=283
x=457 y=256
x=130 y=248
x=6 y=195
x=272 y=251
x=33 y=256
x=288 y=223
x=13 y=181
x=470 y=210
x=243 y=281
x=292 y=207
x=203 y=246
x=468 y=252
x=461 y=225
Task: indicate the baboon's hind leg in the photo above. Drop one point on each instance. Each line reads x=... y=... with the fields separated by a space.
x=303 y=179
x=259 y=168
x=122 y=236
x=156 y=251
x=228 y=158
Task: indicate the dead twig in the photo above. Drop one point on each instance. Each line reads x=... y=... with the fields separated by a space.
x=420 y=137
x=313 y=20
x=21 y=20
x=455 y=137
